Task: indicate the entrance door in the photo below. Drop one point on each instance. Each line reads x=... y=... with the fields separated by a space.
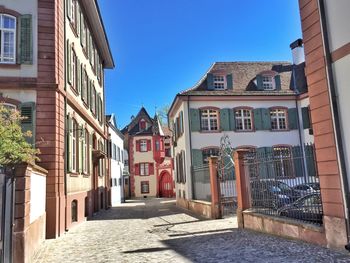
x=166 y=185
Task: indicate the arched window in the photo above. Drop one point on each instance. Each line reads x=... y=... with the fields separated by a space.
x=209 y=152
x=7 y=39
x=74 y=211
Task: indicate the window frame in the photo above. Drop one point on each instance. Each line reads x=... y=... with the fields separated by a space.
x=75 y=146
x=146 y=183
x=207 y=152
x=10 y=30
x=281 y=162
x=208 y=119
x=144 y=143
x=242 y=118
x=271 y=82
x=274 y=116
x=144 y=169
x=217 y=82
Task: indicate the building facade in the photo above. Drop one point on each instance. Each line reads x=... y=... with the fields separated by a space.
x=258 y=105
x=327 y=55
x=151 y=171
x=55 y=53
x=116 y=161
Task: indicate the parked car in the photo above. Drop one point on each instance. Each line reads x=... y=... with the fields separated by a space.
x=307 y=208
x=307 y=188
x=272 y=194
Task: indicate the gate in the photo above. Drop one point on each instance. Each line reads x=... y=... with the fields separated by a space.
x=6 y=216
x=166 y=185
x=227 y=178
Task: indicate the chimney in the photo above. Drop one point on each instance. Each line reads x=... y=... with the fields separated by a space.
x=298 y=51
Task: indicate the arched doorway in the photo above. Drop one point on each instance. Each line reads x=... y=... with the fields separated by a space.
x=166 y=185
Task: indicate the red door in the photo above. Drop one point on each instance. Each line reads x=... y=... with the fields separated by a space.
x=166 y=185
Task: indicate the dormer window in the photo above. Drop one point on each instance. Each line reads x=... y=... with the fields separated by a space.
x=219 y=82
x=268 y=83
x=268 y=80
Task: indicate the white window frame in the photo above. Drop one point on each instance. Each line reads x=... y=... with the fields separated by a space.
x=146 y=183
x=219 y=82
x=144 y=169
x=143 y=146
x=10 y=30
x=278 y=116
x=268 y=82
x=209 y=117
x=240 y=116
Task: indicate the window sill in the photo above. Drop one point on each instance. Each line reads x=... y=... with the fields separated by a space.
x=286 y=130
x=10 y=66
x=244 y=131
x=74 y=174
x=218 y=131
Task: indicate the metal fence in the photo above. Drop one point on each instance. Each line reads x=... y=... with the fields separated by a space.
x=201 y=183
x=284 y=183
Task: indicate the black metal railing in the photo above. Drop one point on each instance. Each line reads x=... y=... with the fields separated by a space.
x=284 y=183
x=201 y=183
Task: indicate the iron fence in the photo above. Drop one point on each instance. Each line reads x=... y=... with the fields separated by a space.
x=284 y=183
x=201 y=183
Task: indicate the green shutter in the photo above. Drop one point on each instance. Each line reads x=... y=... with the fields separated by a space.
x=195 y=120
x=297 y=161
x=210 y=81
x=229 y=81
x=27 y=110
x=78 y=68
x=258 y=124
x=26 y=39
x=69 y=9
x=259 y=82
x=181 y=123
x=310 y=160
x=81 y=28
x=306 y=117
x=225 y=119
x=80 y=149
x=292 y=118
x=90 y=168
x=262 y=154
x=69 y=61
x=197 y=158
x=69 y=143
x=278 y=82
x=266 y=119
x=232 y=119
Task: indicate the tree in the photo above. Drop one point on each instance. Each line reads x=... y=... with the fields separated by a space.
x=162 y=114
x=13 y=147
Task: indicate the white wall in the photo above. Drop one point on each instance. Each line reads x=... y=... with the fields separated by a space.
x=37 y=196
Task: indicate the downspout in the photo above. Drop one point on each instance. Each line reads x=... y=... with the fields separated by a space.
x=190 y=137
x=336 y=118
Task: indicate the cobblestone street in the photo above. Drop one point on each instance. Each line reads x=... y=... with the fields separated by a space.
x=157 y=231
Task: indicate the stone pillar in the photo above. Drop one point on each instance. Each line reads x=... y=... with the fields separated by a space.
x=242 y=184
x=214 y=188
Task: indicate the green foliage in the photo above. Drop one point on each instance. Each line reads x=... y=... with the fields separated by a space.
x=13 y=147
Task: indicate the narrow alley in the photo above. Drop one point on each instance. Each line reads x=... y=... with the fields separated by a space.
x=155 y=230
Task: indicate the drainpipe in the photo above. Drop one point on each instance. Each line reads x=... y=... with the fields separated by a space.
x=336 y=117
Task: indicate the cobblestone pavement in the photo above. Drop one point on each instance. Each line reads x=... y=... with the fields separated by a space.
x=157 y=231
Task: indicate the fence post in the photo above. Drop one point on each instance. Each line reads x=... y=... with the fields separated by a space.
x=214 y=188
x=242 y=185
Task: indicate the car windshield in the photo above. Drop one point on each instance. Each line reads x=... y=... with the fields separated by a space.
x=311 y=200
x=283 y=186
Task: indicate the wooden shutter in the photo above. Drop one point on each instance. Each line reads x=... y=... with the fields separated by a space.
x=69 y=62
x=27 y=110
x=262 y=153
x=183 y=166
x=69 y=143
x=197 y=157
x=151 y=168
x=149 y=146
x=297 y=161
x=310 y=160
x=232 y=119
x=80 y=150
x=278 y=82
x=266 y=118
x=137 y=145
x=137 y=169
x=292 y=119
x=181 y=123
x=258 y=123
x=225 y=119
x=210 y=81
x=195 y=120
x=90 y=155
x=26 y=39
x=78 y=76
x=69 y=9
x=306 y=117
x=229 y=82
x=259 y=82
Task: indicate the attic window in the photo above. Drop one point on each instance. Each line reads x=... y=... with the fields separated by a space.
x=142 y=125
x=219 y=82
x=268 y=83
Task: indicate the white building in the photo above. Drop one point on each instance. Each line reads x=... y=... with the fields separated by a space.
x=255 y=103
x=116 y=157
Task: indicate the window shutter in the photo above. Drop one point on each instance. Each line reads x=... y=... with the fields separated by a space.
x=278 y=82
x=183 y=166
x=297 y=161
x=69 y=9
x=225 y=119
x=306 y=117
x=69 y=61
x=259 y=82
x=81 y=28
x=195 y=120
x=262 y=153
x=197 y=158
x=181 y=122
x=90 y=155
x=149 y=147
x=69 y=143
x=137 y=145
x=310 y=160
x=77 y=17
x=151 y=168
x=210 y=81
x=27 y=110
x=257 y=119
x=229 y=82
x=26 y=39
x=78 y=74
x=232 y=119
x=266 y=119
x=80 y=152
x=292 y=119
x=137 y=169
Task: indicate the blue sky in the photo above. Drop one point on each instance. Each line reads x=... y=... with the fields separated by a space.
x=162 y=47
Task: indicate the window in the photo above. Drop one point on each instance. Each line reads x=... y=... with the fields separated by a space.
x=84 y=85
x=143 y=145
x=282 y=161
x=85 y=152
x=73 y=69
x=243 y=119
x=209 y=120
x=278 y=119
x=93 y=100
x=208 y=153
x=219 y=82
x=118 y=154
x=74 y=146
x=144 y=169
x=142 y=125
x=7 y=39
x=268 y=83
x=145 y=187
x=157 y=145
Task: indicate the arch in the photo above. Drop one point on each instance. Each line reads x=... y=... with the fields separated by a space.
x=166 y=185
x=74 y=211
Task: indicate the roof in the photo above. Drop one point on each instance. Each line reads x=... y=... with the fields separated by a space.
x=111 y=122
